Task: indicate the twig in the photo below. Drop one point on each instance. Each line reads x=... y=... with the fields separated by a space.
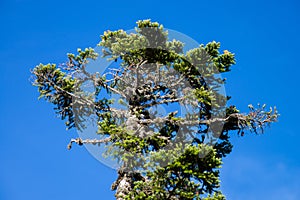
x=80 y=142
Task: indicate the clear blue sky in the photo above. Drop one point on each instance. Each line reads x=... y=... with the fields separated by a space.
x=264 y=35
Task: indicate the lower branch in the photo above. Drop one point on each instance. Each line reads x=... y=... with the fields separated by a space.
x=79 y=141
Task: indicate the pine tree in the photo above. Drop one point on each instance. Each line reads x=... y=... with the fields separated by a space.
x=171 y=155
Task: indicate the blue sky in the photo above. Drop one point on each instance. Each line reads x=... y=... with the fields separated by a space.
x=264 y=35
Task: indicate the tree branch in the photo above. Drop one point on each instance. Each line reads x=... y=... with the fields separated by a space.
x=80 y=142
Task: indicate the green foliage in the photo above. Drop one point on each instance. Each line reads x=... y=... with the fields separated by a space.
x=56 y=87
x=191 y=169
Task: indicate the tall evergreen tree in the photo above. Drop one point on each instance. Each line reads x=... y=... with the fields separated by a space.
x=175 y=154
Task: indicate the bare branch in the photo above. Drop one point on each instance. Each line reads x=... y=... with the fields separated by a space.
x=80 y=142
